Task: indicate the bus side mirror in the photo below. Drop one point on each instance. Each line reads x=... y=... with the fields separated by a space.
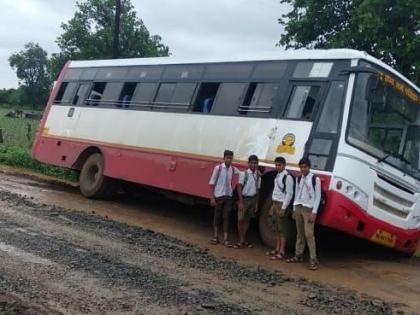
x=371 y=86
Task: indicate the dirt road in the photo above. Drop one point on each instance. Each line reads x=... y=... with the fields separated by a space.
x=88 y=260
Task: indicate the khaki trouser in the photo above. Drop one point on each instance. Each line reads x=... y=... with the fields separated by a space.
x=305 y=232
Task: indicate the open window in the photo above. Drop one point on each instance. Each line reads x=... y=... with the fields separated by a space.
x=126 y=95
x=205 y=97
x=259 y=98
x=61 y=92
x=302 y=102
x=96 y=93
x=81 y=92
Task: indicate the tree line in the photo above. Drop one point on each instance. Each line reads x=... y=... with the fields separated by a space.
x=87 y=35
x=386 y=29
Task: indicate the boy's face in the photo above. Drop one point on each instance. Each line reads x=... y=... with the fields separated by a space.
x=228 y=160
x=253 y=165
x=280 y=167
x=304 y=169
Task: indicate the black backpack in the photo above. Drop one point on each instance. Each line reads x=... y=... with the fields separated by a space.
x=323 y=200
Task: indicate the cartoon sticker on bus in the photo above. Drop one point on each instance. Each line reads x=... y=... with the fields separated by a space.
x=287 y=144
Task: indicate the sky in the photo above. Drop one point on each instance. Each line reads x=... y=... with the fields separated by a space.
x=191 y=28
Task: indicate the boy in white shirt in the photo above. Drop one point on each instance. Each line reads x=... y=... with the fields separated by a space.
x=248 y=192
x=221 y=196
x=282 y=196
x=307 y=201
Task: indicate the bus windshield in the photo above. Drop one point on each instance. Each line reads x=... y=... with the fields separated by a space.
x=385 y=121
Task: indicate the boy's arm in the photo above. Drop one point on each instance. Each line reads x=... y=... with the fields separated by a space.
x=212 y=184
x=317 y=195
x=258 y=194
x=239 y=188
x=289 y=192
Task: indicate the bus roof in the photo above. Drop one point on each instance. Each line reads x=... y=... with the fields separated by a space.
x=300 y=54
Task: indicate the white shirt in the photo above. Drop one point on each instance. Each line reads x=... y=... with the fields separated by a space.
x=281 y=194
x=222 y=179
x=305 y=193
x=252 y=184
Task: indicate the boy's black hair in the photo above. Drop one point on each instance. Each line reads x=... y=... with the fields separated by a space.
x=280 y=160
x=227 y=153
x=253 y=157
x=305 y=161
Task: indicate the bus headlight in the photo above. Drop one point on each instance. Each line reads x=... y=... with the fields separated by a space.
x=351 y=191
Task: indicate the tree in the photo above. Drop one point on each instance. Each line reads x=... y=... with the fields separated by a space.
x=89 y=34
x=386 y=29
x=31 y=69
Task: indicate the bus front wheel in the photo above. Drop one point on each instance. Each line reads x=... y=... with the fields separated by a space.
x=267 y=229
x=93 y=183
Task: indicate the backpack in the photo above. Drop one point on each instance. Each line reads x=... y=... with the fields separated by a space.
x=323 y=200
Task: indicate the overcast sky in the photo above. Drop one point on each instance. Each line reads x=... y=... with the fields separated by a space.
x=196 y=28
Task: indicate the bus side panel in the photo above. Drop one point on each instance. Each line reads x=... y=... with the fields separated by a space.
x=344 y=215
x=172 y=172
x=178 y=173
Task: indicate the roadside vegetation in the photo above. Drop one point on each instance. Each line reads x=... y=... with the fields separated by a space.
x=17 y=135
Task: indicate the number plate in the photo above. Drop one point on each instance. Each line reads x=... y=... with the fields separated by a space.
x=384 y=238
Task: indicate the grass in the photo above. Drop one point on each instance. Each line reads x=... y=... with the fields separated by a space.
x=18 y=135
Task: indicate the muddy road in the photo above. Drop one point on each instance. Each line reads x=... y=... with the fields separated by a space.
x=63 y=254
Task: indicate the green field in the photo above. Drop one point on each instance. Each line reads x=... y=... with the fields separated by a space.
x=15 y=149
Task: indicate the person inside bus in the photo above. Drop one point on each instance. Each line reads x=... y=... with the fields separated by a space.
x=248 y=191
x=221 y=190
x=282 y=197
x=207 y=104
x=306 y=204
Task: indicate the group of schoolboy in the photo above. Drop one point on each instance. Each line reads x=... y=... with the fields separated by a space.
x=300 y=195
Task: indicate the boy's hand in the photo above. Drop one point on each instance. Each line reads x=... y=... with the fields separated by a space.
x=256 y=209
x=241 y=206
x=213 y=202
x=312 y=218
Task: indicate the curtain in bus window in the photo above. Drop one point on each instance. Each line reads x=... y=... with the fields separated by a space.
x=302 y=102
x=331 y=110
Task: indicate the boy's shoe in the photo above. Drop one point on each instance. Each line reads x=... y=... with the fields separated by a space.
x=314 y=264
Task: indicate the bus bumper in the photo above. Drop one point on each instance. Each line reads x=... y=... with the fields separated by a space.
x=344 y=215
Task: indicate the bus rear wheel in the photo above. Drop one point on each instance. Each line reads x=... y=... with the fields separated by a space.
x=267 y=229
x=93 y=183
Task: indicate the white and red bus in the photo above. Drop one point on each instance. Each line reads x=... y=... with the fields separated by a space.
x=165 y=122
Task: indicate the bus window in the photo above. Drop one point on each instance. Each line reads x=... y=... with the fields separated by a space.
x=165 y=93
x=259 y=98
x=269 y=70
x=81 y=93
x=127 y=94
x=96 y=94
x=229 y=98
x=313 y=70
x=144 y=94
x=331 y=110
x=302 y=102
x=183 y=93
x=205 y=98
x=60 y=93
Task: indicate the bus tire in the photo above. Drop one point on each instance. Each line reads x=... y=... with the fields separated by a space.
x=93 y=183
x=267 y=230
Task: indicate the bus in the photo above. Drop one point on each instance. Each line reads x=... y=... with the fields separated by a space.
x=165 y=122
